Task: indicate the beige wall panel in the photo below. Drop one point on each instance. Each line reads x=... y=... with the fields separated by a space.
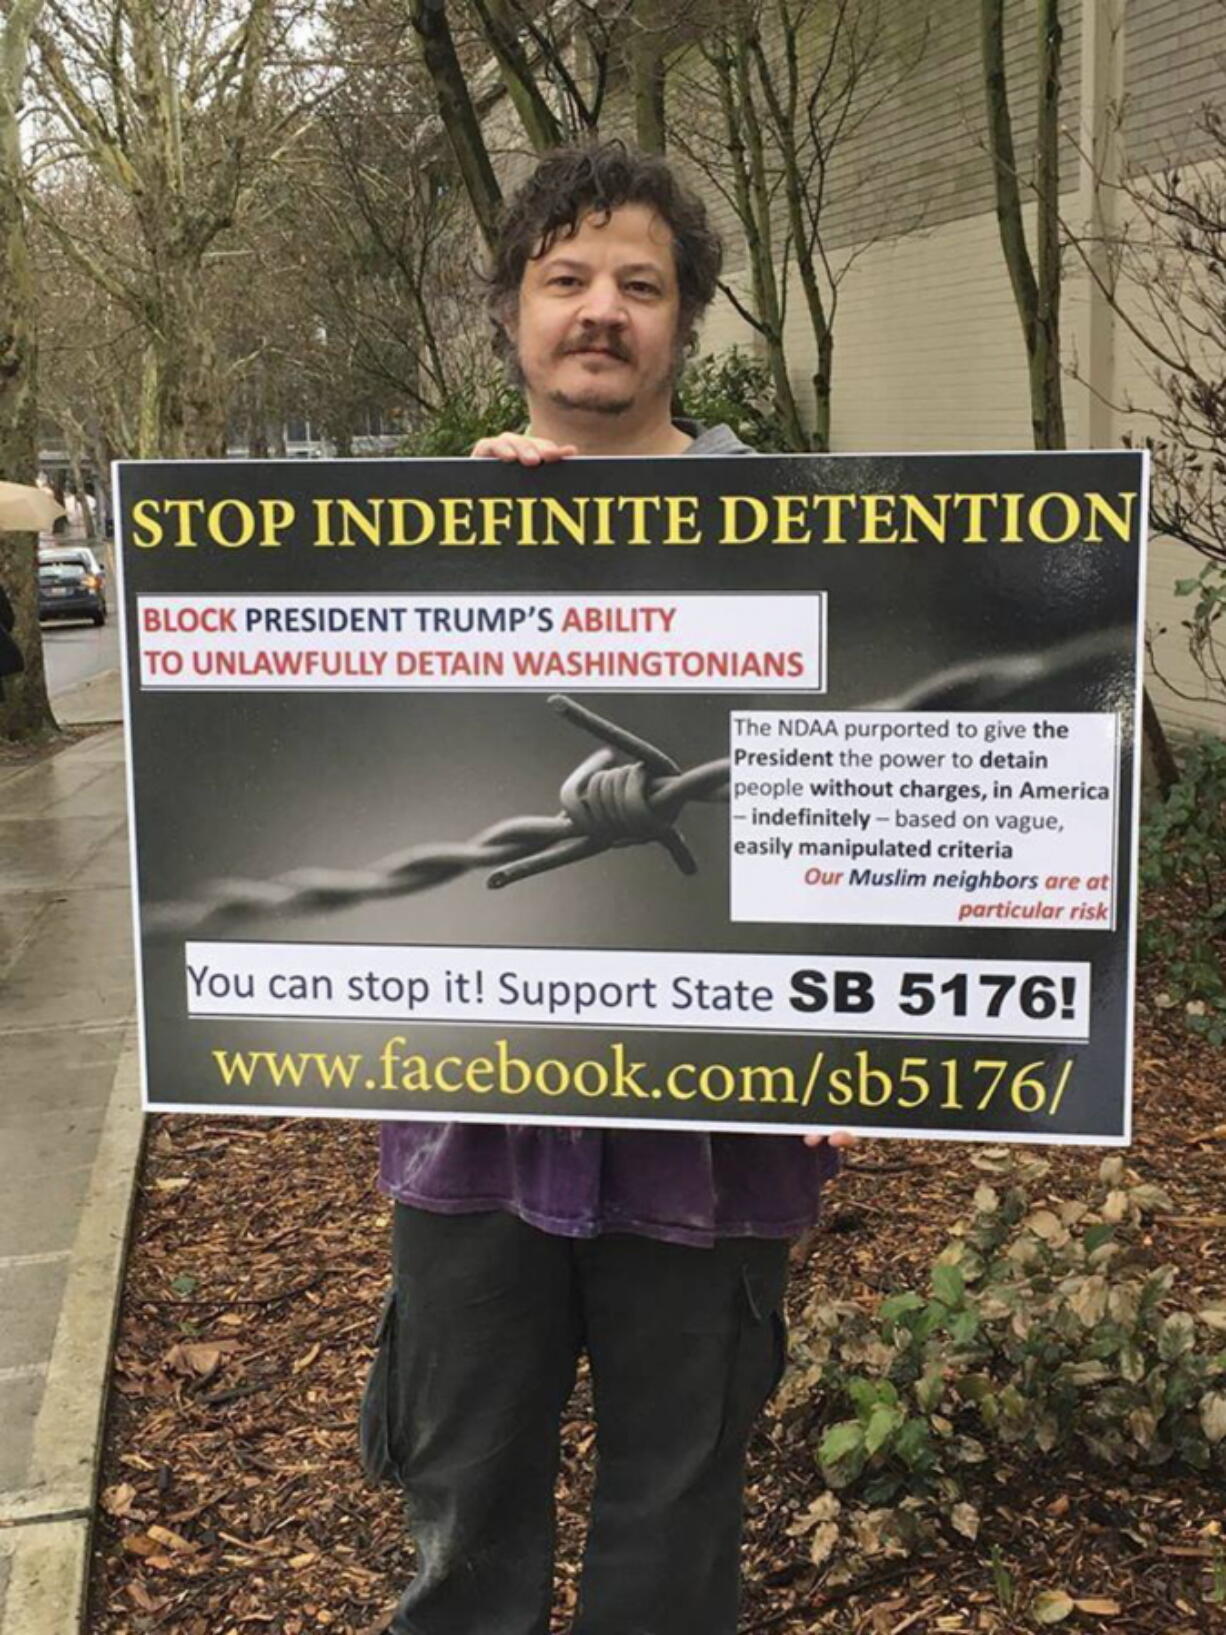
x=928 y=350
x=1174 y=62
x=921 y=156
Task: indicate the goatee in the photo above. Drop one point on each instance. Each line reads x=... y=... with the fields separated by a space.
x=593 y=402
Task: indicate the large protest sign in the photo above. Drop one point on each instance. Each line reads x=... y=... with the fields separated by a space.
x=745 y=794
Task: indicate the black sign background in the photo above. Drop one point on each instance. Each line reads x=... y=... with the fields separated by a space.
x=255 y=784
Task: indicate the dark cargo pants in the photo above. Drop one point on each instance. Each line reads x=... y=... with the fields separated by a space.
x=476 y=1359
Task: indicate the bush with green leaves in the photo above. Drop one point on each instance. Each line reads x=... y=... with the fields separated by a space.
x=734 y=389
x=1183 y=848
x=726 y=388
x=487 y=405
x=1044 y=1329
x=1206 y=625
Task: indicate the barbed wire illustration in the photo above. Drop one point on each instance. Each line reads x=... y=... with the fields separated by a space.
x=629 y=792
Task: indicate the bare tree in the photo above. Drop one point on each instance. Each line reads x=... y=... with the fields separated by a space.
x=24 y=709
x=718 y=125
x=90 y=345
x=788 y=84
x=1166 y=281
x=554 y=63
x=457 y=111
x=168 y=103
x=1036 y=282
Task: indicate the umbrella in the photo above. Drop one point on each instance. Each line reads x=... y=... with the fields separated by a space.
x=24 y=508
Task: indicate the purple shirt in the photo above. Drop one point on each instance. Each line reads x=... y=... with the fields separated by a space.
x=682 y=1186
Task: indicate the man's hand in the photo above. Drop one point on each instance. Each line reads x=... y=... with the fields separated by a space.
x=840 y=1138
x=520 y=449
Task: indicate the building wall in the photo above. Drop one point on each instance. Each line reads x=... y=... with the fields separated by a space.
x=929 y=350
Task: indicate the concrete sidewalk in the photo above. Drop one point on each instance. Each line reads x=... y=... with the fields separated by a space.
x=70 y=1128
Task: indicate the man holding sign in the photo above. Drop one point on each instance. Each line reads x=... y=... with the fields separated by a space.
x=661 y=1254
x=903 y=691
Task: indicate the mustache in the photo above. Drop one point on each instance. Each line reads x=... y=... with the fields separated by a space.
x=609 y=343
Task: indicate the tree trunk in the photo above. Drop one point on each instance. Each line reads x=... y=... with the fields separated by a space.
x=501 y=30
x=1157 y=748
x=73 y=437
x=647 y=74
x=25 y=710
x=745 y=151
x=204 y=406
x=823 y=388
x=183 y=414
x=1046 y=389
x=463 y=127
x=149 y=434
x=1037 y=298
x=103 y=454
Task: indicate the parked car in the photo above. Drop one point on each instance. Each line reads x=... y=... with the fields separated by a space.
x=89 y=559
x=71 y=585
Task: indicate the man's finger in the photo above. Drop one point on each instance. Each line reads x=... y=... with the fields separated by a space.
x=528 y=451
x=837 y=1138
x=495 y=448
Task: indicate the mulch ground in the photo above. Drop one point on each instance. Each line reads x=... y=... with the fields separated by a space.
x=233 y=1501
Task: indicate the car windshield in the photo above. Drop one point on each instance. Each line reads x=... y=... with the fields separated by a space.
x=67 y=569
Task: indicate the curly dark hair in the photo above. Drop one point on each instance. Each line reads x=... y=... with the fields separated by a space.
x=567 y=185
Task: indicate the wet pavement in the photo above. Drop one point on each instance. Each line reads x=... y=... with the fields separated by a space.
x=69 y=1144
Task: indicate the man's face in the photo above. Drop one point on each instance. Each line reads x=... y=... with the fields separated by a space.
x=596 y=325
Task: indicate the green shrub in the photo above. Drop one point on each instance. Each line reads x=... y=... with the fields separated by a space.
x=728 y=388
x=485 y=406
x=734 y=389
x=1044 y=1329
x=1183 y=847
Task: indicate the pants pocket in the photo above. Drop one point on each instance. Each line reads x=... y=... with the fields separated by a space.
x=759 y=1346
x=374 y=1416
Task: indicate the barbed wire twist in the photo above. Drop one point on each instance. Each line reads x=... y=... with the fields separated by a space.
x=606 y=804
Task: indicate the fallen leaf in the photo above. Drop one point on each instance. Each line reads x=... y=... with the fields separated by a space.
x=304 y=1560
x=825 y=1537
x=141 y=1596
x=308 y=1357
x=1213 y=1416
x=173 y=1183
x=140 y=1544
x=1051 y=1606
x=965 y=1519
x=198 y=1359
x=1100 y=1606
x=172 y=1541
x=117 y=1500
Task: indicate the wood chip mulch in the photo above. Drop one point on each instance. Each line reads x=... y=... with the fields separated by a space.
x=232 y=1502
